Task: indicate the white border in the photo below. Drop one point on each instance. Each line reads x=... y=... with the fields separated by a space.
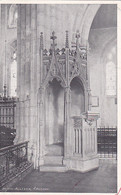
x=118 y=77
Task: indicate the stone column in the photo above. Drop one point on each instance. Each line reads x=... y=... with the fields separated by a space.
x=88 y=80
x=33 y=85
x=67 y=111
x=18 y=127
x=3 y=43
x=27 y=70
x=22 y=71
x=41 y=135
x=41 y=103
x=67 y=128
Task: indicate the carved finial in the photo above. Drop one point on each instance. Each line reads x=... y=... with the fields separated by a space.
x=5 y=91
x=67 y=42
x=77 y=34
x=41 y=40
x=53 y=37
x=77 y=38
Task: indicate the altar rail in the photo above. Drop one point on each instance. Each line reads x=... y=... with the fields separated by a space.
x=13 y=161
x=107 y=142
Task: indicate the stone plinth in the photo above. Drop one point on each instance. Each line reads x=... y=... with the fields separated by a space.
x=84 y=140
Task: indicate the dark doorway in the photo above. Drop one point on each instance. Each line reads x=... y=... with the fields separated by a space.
x=54 y=118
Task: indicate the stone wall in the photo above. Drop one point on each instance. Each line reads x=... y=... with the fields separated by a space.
x=8 y=35
x=102 y=42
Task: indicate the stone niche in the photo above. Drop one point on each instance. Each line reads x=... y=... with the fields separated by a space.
x=54 y=118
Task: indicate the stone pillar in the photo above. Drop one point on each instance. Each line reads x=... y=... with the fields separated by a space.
x=18 y=116
x=27 y=81
x=67 y=129
x=33 y=85
x=40 y=108
x=22 y=71
x=17 y=119
x=41 y=135
x=27 y=72
x=67 y=132
x=21 y=60
x=88 y=80
x=3 y=43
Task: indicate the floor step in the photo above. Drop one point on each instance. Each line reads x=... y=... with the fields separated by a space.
x=54 y=160
x=53 y=168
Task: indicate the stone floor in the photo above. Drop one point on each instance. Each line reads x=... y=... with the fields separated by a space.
x=102 y=180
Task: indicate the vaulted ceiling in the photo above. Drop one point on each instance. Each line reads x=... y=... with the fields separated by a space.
x=106 y=17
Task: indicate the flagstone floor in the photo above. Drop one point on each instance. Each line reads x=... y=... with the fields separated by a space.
x=101 y=180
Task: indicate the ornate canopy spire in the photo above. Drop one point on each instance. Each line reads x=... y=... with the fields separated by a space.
x=76 y=44
x=41 y=40
x=5 y=91
x=67 y=41
x=53 y=37
x=77 y=38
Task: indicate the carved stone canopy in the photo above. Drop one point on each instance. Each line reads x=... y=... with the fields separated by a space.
x=65 y=63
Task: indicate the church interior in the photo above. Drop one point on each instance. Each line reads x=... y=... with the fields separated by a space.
x=58 y=96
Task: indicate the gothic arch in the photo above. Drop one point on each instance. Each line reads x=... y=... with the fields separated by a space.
x=81 y=80
x=109 y=43
x=77 y=97
x=85 y=88
x=58 y=78
x=85 y=24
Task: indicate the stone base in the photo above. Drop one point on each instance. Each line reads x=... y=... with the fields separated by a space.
x=82 y=165
x=53 y=168
x=53 y=160
x=40 y=161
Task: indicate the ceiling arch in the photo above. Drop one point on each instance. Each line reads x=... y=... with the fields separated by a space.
x=87 y=22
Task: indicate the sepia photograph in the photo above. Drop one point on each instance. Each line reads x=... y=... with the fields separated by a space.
x=58 y=97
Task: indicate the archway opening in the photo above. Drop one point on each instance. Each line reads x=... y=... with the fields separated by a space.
x=77 y=97
x=54 y=118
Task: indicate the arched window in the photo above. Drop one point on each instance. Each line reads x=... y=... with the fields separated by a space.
x=111 y=72
x=110 y=78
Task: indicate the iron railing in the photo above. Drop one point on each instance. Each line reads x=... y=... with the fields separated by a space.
x=13 y=160
x=7 y=112
x=7 y=136
x=7 y=121
x=107 y=142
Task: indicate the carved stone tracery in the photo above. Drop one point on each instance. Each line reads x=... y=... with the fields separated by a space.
x=64 y=64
